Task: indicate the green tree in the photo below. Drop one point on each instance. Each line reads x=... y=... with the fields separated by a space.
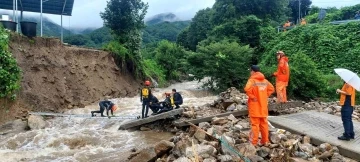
x=263 y=9
x=170 y=57
x=124 y=16
x=304 y=8
x=225 y=62
x=199 y=27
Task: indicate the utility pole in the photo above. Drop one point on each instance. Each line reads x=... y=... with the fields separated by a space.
x=299 y=12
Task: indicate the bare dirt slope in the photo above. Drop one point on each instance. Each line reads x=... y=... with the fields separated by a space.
x=57 y=77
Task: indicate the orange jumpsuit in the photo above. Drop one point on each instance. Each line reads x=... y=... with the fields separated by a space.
x=282 y=79
x=258 y=90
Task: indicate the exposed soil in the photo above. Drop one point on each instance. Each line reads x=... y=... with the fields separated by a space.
x=57 y=77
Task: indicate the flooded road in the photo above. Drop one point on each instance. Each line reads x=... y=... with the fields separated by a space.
x=93 y=140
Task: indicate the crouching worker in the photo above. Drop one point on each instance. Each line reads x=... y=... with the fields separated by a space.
x=258 y=90
x=154 y=104
x=105 y=105
x=167 y=104
x=178 y=100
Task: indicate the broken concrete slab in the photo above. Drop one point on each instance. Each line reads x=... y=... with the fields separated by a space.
x=138 y=122
x=321 y=128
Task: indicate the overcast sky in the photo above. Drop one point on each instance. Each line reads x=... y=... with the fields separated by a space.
x=86 y=12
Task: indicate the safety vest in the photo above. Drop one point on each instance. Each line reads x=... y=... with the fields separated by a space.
x=145 y=92
x=172 y=101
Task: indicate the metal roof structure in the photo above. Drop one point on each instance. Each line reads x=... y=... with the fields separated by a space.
x=56 y=7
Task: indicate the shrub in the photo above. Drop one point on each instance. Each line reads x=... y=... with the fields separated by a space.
x=9 y=70
x=225 y=62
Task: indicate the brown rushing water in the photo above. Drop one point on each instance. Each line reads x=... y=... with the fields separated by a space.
x=81 y=139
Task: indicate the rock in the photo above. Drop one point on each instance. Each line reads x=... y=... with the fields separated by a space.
x=204 y=151
x=246 y=149
x=219 y=121
x=276 y=138
x=144 y=155
x=337 y=158
x=214 y=144
x=335 y=149
x=232 y=118
x=163 y=147
x=263 y=152
x=36 y=122
x=306 y=139
x=238 y=128
x=230 y=141
x=301 y=155
x=225 y=158
x=317 y=105
x=297 y=160
x=338 y=108
x=245 y=125
x=209 y=160
x=231 y=107
x=307 y=147
x=328 y=110
x=273 y=146
x=170 y=158
x=145 y=129
x=200 y=135
x=180 y=148
x=182 y=159
x=316 y=151
x=255 y=158
x=204 y=125
x=325 y=155
x=325 y=147
x=189 y=114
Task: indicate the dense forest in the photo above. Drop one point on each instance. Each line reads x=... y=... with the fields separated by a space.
x=223 y=41
x=160 y=27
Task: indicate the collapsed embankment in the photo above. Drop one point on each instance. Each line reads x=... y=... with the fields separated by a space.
x=57 y=77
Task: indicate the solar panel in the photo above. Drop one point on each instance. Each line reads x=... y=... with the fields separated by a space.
x=56 y=7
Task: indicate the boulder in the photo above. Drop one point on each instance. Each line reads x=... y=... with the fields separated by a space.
x=246 y=149
x=325 y=147
x=163 y=147
x=200 y=135
x=204 y=151
x=219 y=121
x=189 y=114
x=145 y=155
x=232 y=118
x=325 y=155
x=263 y=152
x=277 y=137
x=36 y=122
x=238 y=128
x=182 y=159
x=307 y=148
x=306 y=139
x=255 y=158
x=204 y=125
x=180 y=148
x=209 y=160
x=225 y=158
x=232 y=107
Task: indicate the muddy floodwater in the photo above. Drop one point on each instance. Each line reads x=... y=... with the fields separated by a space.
x=92 y=140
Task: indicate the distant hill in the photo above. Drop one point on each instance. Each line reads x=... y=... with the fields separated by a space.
x=164 y=30
x=50 y=28
x=163 y=17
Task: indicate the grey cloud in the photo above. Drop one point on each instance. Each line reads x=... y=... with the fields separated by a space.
x=86 y=13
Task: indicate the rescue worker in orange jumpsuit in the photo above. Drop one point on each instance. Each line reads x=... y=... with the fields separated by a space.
x=282 y=77
x=303 y=21
x=258 y=90
x=347 y=102
x=287 y=24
